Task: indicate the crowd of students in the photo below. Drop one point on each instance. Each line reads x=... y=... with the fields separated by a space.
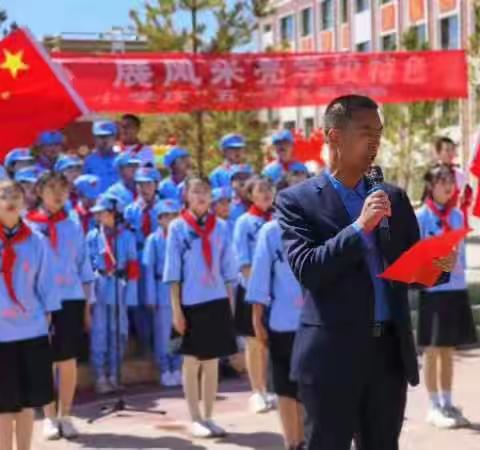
x=192 y=263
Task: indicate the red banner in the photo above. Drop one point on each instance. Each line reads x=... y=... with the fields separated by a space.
x=156 y=82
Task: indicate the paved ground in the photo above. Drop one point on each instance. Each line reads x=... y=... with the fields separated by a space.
x=141 y=430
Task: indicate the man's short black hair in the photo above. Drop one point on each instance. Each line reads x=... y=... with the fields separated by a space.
x=133 y=118
x=341 y=110
x=439 y=142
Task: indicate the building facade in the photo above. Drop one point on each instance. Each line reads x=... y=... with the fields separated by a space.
x=358 y=26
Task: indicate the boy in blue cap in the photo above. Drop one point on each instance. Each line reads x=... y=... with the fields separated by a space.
x=141 y=218
x=125 y=188
x=50 y=144
x=130 y=143
x=27 y=177
x=283 y=143
x=101 y=162
x=179 y=164
x=87 y=188
x=17 y=159
x=158 y=294
x=233 y=147
x=221 y=198
x=71 y=167
x=240 y=174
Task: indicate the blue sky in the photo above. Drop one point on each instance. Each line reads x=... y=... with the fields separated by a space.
x=55 y=16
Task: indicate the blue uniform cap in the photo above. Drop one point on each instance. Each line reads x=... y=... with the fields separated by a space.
x=282 y=136
x=87 y=186
x=147 y=175
x=297 y=166
x=221 y=194
x=232 y=141
x=27 y=175
x=18 y=154
x=50 y=138
x=240 y=168
x=174 y=154
x=102 y=128
x=108 y=202
x=168 y=206
x=126 y=159
x=67 y=162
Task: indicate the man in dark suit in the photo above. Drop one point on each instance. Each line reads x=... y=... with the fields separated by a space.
x=354 y=351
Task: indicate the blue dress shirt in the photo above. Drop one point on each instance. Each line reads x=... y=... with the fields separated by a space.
x=353 y=200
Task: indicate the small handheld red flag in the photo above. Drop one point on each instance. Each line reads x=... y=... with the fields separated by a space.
x=35 y=94
x=416 y=264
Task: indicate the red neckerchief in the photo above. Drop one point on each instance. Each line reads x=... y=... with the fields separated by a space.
x=74 y=199
x=254 y=210
x=285 y=166
x=51 y=221
x=110 y=262
x=135 y=149
x=442 y=215
x=85 y=216
x=147 y=220
x=203 y=233
x=9 y=257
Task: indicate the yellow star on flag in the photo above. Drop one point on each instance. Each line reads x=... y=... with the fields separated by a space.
x=13 y=63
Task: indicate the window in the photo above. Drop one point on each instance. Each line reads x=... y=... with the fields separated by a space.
x=286 y=28
x=326 y=17
x=309 y=124
x=449 y=33
x=307 y=24
x=289 y=125
x=389 y=42
x=364 y=47
x=344 y=11
x=362 y=5
x=421 y=33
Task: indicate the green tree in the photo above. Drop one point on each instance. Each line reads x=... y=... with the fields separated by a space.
x=234 y=27
x=409 y=130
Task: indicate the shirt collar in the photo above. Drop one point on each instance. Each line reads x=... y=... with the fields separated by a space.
x=359 y=190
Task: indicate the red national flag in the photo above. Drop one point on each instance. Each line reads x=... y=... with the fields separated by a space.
x=34 y=93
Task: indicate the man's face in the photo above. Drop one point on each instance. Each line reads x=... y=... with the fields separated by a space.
x=234 y=155
x=284 y=151
x=104 y=143
x=128 y=131
x=448 y=153
x=183 y=165
x=356 y=144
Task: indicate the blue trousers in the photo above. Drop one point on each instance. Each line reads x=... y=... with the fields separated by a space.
x=162 y=332
x=143 y=319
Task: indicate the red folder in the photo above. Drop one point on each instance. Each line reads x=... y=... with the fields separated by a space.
x=416 y=264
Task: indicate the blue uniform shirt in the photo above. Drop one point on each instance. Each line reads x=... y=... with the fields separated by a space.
x=237 y=209
x=71 y=259
x=221 y=176
x=103 y=166
x=134 y=217
x=353 y=200
x=157 y=291
x=429 y=226
x=35 y=289
x=122 y=192
x=184 y=263
x=275 y=170
x=272 y=282
x=245 y=237
x=169 y=189
x=125 y=250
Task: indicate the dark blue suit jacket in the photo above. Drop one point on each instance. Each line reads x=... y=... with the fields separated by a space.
x=326 y=254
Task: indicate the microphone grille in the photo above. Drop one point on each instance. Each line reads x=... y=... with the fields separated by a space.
x=375 y=175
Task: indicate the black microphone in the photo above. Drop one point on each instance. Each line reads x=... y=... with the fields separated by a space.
x=375 y=181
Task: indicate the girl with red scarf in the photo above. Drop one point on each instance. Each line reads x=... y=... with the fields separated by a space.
x=27 y=298
x=260 y=192
x=200 y=267
x=445 y=318
x=74 y=278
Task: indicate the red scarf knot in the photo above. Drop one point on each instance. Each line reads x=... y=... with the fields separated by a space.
x=51 y=222
x=442 y=214
x=9 y=258
x=254 y=210
x=204 y=234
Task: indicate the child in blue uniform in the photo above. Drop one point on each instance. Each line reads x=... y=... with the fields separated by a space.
x=233 y=148
x=72 y=168
x=200 y=266
x=101 y=162
x=141 y=218
x=125 y=188
x=87 y=188
x=27 y=297
x=277 y=300
x=50 y=146
x=16 y=159
x=240 y=175
x=221 y=198
x=130 y=127
x=27 y=177
x=74 y=279
x=260 y=192
x=445 y=318
x=179 y=164
x=158 y=294
x=113 y=252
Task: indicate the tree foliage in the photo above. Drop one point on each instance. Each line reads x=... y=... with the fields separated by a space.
x=202 y=26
